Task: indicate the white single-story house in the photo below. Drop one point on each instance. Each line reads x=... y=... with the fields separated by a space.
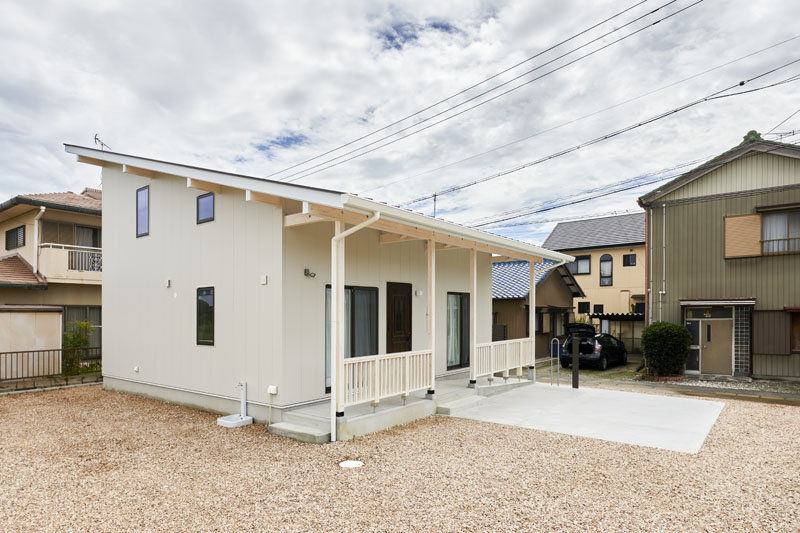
x=312 y=297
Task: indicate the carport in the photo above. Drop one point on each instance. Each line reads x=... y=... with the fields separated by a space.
x=669 y=423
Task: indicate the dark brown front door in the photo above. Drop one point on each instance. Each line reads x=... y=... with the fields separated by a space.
x=398 y=317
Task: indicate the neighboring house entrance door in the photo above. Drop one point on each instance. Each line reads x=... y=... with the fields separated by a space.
x=398 y=317
x=711 y=351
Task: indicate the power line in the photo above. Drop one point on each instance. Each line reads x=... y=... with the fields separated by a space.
x=583 y=117
x=309 y=172
x=782 y=122
x=712 y=96
x=512 y=67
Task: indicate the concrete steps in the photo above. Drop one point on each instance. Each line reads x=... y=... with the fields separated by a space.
x=500 y=386
x=451 y=407
x=299 y=432
x=305 y=419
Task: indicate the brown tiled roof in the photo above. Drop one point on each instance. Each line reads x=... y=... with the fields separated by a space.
x=68 y=198
x=14 y=270
x=92 y=193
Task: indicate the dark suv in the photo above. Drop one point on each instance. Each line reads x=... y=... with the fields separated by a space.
x=598 y=349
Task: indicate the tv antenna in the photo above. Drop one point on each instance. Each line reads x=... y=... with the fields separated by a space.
x=103 y=145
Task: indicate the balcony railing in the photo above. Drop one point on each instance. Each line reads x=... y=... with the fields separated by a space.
x=372 y=378
x=780 y=246
x=69 y=263
x=44 y=363
x=503 y=356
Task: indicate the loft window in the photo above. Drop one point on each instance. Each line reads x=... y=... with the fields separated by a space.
x=205 y=208
x=606 y=270
x=780 y=233
x=629 y=260
x=581 y=265
x=205 y=316
x=583 y=307
x=15 y=238
x=143 y=211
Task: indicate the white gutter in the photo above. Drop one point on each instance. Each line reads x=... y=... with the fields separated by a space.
x=335 y=341
x=36 y=239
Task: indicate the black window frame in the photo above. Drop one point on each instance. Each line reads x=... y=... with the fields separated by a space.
x=639 y=307
x=573 y=266
x=10 y=233
x=607 y=258
x=627 y=261
x=584 y=307
x=213 y=208
x=146 y=233
x=213 y=324
x=598 y=309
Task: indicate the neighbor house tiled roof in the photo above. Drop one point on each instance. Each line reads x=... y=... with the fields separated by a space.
x=511 y=279
x=618 y=230
x=69 y=199
x=14 y=270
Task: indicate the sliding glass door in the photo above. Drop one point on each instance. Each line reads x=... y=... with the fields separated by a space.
x=360 y=325
x=457 y=330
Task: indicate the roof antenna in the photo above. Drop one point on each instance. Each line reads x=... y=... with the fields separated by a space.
x=434 y=205
x=103 y=145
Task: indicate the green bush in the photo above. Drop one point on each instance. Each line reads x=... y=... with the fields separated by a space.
x=666 y=348
x=75 y=340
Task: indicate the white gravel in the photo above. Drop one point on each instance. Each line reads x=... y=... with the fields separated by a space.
x=87 y=459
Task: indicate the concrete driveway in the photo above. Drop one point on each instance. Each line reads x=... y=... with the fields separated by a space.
x=679 y=424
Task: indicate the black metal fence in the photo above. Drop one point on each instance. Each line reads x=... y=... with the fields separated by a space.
x=43 y=363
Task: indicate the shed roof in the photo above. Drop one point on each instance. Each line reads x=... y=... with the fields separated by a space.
x=620 y=230
x=511 y=279
x=15 y=272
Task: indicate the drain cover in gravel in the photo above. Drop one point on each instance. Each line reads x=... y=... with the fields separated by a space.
x=351 y=464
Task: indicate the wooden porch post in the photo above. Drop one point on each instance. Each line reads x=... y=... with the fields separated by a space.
x=473 y=314
x=337 y=328
x=532 y=319
x=432 y=313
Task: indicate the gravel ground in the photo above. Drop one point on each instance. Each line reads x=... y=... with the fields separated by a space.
x=88 y=459
x=782 y=387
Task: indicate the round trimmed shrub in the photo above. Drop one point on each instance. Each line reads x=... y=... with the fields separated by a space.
x=666 y=348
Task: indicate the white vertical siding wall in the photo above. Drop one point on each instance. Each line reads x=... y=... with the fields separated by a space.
x=148 y=325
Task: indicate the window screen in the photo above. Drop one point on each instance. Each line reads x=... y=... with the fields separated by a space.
x=15 y=238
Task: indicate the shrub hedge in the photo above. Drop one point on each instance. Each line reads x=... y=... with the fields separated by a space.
x=666 y=348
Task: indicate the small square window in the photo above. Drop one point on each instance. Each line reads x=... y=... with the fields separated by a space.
x=583 y=307
x=639 y=308
x=629 y=260
x=15 y=238
x=598 y=308
x=205 y=208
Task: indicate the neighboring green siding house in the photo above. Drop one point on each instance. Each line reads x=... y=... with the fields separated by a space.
x=723 y=258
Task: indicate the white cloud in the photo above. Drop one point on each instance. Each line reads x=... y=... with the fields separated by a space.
x=208 y=83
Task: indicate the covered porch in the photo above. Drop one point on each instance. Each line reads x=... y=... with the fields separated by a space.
x=369 y=384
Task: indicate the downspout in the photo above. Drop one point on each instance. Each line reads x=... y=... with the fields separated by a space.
x=650 y=266
x=335 y=241
x=36 y=239
x=663 y=290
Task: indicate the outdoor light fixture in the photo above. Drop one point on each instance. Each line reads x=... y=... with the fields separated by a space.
x=307 y=272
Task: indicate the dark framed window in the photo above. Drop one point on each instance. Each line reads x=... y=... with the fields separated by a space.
x=780 y=233
x=581 y=265
x=360 y=325
x=84 y=313
x=598 y=308
x=583 y=307
x=15 y=238
x=629 y=260
x=205 y=316
x=606 y=270
x=143 y=211
x=205 y=208
x=639 y=308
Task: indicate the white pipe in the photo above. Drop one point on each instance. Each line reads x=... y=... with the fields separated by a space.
x=663 y=290
x=335 y=240
x=36 y=239
x=243 y=385
x=650 y=264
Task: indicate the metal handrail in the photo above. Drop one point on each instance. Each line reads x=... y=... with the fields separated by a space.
x=69 y=247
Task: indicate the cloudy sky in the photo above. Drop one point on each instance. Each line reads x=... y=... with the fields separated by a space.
x=257 y=87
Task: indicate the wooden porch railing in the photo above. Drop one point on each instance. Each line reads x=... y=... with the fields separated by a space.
x=502 y=356
x=369 y=379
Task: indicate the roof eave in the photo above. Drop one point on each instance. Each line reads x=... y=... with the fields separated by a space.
x=20 y=200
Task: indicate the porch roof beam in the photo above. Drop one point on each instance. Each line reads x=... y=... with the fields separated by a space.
x=192 y=183
x=137 y=171
x=264 y=198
